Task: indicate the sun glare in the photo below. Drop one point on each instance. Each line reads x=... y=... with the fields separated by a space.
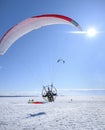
x=91 y=32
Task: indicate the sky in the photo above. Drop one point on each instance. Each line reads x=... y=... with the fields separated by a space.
x=31 y=61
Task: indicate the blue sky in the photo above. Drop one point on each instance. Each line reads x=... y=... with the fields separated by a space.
x=31 y=60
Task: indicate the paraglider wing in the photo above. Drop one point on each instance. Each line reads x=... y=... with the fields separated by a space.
x=60 y=60
x=30 y=24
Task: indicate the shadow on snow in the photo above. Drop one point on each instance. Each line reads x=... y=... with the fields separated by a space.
x=37 y=114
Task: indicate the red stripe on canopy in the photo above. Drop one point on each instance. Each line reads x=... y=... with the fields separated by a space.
x=54 y=15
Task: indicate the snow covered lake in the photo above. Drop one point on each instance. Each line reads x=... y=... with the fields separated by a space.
x=82 y=113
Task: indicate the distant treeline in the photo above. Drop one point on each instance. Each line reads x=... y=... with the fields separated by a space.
x=18 y=96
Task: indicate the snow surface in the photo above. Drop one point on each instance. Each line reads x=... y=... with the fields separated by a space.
x=82 y=113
